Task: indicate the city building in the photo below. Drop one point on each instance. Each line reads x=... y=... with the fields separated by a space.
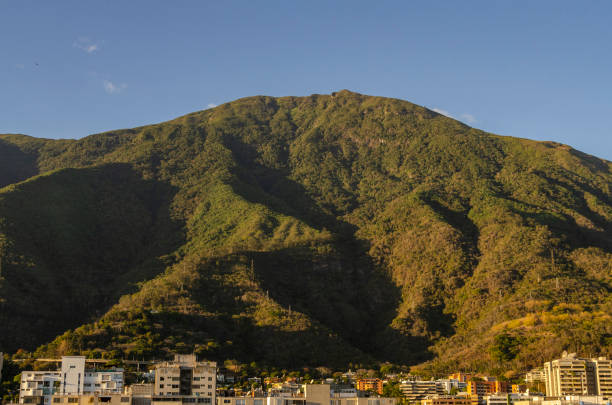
x=563 y=400
x=344 y=391
x=141 y=393
x=185 y=380
x=418 y=390
x=501 y=399
x=37 y=387
x=285 y=388
x=92 y=399
x=350 y=376
x=536 y=375
x=482 y=388
x=75 y=379
x=370 y=384
x=518 y=388
x=479 y=389
x=571 y=375
x=447 y=400
x=463 y=377
x=311 y=394
x=449 y=384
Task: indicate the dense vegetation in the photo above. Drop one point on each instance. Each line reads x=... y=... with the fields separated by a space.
x=307 y=231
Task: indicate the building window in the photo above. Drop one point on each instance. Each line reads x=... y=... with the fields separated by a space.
x=73 y=400
x=258 y=402
x=125 y=399
x=161 y=385
x=57 y=400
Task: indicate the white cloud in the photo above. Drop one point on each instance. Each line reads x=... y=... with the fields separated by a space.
x=86 y=44
x=443 y=112
x=20 y=66
x=469 y=118
x=211 y=105
x=112 y=88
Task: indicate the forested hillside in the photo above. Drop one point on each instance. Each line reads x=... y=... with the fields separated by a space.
x=306 y=231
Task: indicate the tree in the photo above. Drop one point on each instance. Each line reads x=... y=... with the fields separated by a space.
x=505 y=347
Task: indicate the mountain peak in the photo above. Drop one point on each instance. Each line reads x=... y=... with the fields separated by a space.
x=306 y=231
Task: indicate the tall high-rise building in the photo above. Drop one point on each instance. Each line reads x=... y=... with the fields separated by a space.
x=185 y=380
x=571 y=375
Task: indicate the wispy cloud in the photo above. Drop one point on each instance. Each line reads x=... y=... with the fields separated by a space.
x=20 y=66
x=469 y=118
x=211 y=105
x=86 y=44
x=443 y=112
x=112 y=88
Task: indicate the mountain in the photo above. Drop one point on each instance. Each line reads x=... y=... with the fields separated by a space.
x=316 y=230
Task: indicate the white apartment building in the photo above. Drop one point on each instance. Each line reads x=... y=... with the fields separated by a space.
x=450 y=383
x=418 y=390
x=571 y=375
x=75 y=379
x=37 y=387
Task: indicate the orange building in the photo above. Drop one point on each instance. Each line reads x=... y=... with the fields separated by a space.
x=367 y=384
x=461 y=377
x=518 y=388
x=482 y=388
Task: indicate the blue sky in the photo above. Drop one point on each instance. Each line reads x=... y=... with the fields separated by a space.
x=533 y=69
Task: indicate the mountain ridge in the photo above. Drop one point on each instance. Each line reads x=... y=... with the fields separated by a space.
x=356 y=227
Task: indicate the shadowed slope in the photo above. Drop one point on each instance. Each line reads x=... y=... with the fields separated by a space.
x=368 y=220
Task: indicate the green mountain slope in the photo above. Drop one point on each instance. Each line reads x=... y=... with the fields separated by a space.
x=314 y=230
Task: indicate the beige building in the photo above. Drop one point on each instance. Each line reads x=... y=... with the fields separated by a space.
x=564 y=400
x=418 y=390
x=313 y=394
x=92 y=399
x=536 y=375
x=571 y=375
x=141 y=393
x=447 y=400
x=185 y=380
